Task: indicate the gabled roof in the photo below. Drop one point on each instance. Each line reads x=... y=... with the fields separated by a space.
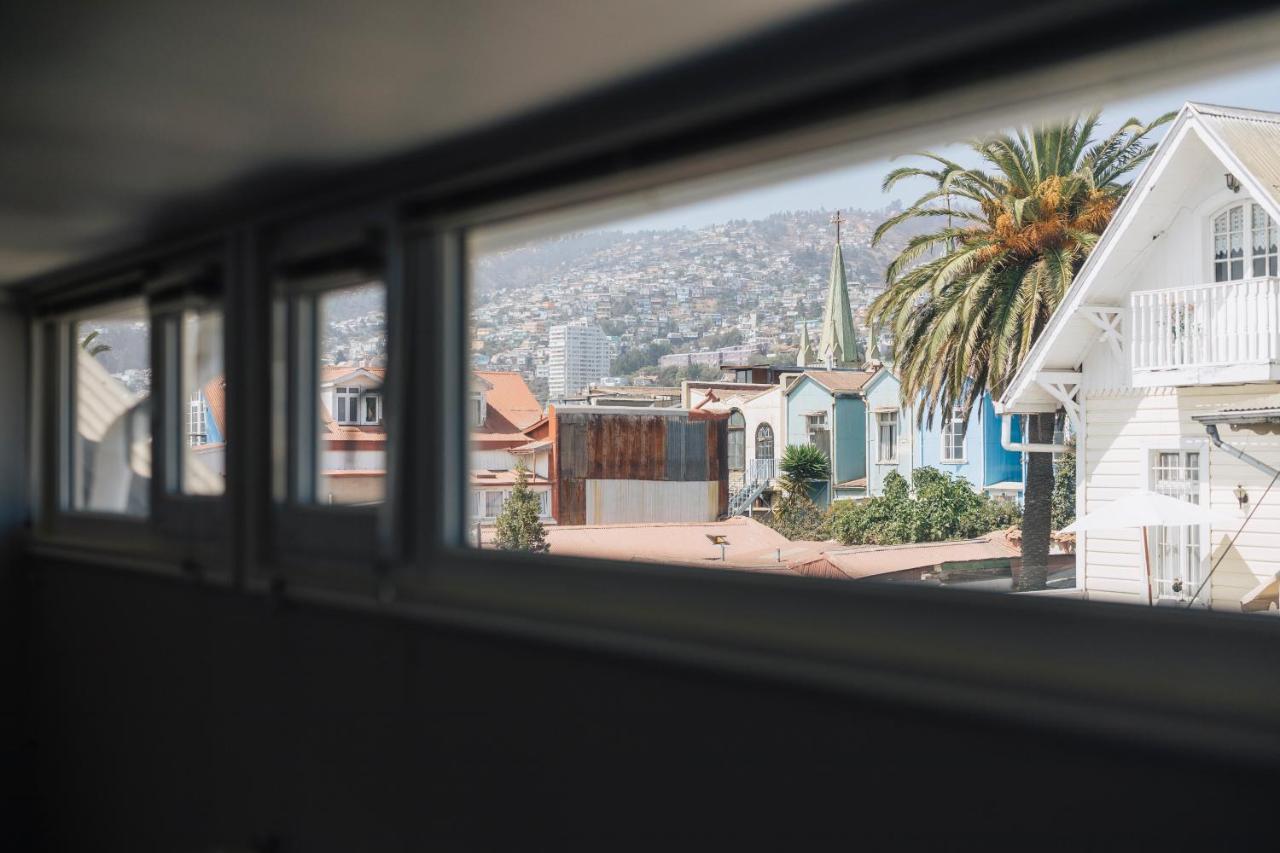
x=1240 y=141
x=510 y=398
x=331 y=374
x=837 y=381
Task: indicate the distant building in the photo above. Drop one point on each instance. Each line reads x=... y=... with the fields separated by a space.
x=612 y=465
x=577 y=355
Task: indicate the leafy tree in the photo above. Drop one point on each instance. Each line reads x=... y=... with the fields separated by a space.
x=943 y=507
x=1064 y=487
x=966 y=301
x=519 y=527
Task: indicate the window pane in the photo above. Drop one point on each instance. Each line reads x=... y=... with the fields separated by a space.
x=203 y=392
x=111 y=469
x=352 y=347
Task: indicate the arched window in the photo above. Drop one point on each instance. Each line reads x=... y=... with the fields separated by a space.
x=1231 y=262
x=764 y=442
x=737 y=441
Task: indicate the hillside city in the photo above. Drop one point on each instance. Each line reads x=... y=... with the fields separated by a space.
x=742 y=288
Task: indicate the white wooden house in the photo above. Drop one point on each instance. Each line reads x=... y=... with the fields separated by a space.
x=1169 y=336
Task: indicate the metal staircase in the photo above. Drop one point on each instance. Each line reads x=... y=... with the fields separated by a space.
x=757 y=477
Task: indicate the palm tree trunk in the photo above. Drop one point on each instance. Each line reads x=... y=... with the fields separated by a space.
x=1037 y=509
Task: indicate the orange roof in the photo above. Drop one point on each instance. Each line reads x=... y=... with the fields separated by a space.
x=511 y=398
x=504 y=478
x=330 y=372
x=751 y=545
x=869 y=561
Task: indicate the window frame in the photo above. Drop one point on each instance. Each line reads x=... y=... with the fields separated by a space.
x=873 y=641
x=895 y=426
x=1151 y=451
x=948 y=431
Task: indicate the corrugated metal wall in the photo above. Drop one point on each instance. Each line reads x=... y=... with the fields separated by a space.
x=629 y=448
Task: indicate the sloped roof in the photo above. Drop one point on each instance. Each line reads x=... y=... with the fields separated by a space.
x=333 y=372
x=838 y=381
x=510 y=396
x=865 y=562
x=1243 y=142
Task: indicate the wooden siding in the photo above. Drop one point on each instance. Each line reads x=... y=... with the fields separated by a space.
x=1123 y=430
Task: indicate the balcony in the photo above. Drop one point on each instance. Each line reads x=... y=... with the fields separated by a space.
x=1206 y=334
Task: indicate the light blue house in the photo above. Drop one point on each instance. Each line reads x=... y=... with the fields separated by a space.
x=969 y=448
x=827 y=408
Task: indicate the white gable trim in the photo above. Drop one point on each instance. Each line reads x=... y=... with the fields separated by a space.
x=1097 y=259
x=1186 y=123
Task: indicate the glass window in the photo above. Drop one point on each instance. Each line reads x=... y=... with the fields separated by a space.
x=737 y=441
x=953 y=433
x=1264 y=243
x=887 y=436
x=204 y=461
x=764 y=442
x=1228 y=245
x=352 y=350
x=1176 y=570
x=492 y=504
x=111 y=469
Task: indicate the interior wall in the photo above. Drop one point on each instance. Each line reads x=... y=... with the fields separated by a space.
x=167 y=716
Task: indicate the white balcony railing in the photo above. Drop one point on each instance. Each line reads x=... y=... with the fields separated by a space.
x=761 y=470
x=1207 y=325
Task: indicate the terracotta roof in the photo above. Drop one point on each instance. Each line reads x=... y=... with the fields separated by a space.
x=331 y=372
x=535 y=445
x=752 y=546
x=511 y=405
x=499 y=439
x=873 y=560
x=504 y=478
x=838 y=381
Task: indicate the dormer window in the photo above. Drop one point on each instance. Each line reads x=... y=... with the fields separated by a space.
x=355 y=406
x=1230 y=262
x=477 y=410
x=347 y=405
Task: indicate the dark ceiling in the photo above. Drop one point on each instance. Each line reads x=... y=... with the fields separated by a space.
x=116 y=115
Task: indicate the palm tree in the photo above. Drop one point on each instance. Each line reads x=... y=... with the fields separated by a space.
x=90 y=347
x=967 y=300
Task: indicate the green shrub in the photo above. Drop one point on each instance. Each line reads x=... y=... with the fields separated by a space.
x=943 y=507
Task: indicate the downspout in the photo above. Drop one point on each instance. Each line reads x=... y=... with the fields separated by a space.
x=1212 y=431
x=1007 y=442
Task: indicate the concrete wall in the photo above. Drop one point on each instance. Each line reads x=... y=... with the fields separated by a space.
x=173 y=717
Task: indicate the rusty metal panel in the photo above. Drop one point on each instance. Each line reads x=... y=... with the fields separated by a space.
x=687 y=451
x=626 y=447
x=574 y=455
x=573 y=501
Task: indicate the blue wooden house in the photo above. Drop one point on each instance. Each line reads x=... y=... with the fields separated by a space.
x=969 y=448
x=827 y=408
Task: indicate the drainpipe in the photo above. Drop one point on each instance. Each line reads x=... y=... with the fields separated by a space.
x=1007 y=442
x=1212 y=431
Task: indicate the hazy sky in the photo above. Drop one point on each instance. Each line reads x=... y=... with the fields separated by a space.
x=859 y=186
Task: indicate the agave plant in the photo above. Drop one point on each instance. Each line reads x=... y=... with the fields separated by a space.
x=966 y=300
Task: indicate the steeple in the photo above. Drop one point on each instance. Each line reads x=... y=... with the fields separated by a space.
x=838 y=346
x=805 y=356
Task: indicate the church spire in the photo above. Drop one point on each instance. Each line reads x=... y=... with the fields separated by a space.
x=805 y=356
x=838 y=346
